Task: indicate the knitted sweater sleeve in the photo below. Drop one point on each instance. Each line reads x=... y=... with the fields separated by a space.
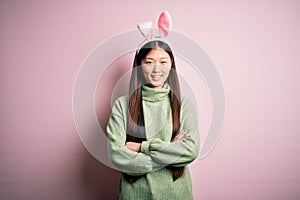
x=124 y=159
x=181 y=152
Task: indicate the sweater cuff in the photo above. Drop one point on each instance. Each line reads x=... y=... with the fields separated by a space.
x=145 y=147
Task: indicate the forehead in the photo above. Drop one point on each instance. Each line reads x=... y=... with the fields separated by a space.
x=157 y=53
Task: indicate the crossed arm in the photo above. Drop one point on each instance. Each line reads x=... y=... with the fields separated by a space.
x=140 y=158
x=134 y=146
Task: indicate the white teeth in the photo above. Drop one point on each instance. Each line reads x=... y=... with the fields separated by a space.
x=156 y=77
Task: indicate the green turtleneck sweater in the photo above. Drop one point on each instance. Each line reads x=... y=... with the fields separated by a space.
x=157 y=151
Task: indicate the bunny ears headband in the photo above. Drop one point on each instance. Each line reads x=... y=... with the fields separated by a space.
x=164 y=25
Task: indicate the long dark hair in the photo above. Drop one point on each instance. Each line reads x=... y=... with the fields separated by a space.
x=135 y=125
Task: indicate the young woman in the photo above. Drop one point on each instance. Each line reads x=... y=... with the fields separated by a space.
x=153 y=132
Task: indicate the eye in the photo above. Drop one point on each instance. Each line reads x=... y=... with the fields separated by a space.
x=148 y=62
x=164 y=62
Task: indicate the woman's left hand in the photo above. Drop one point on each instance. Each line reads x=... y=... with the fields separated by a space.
x=133 y=146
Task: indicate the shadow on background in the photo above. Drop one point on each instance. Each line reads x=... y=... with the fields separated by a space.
x=98 y=181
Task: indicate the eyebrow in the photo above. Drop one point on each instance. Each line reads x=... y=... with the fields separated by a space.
x=154 y=59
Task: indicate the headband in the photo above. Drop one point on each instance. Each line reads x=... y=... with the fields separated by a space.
x=164 y=25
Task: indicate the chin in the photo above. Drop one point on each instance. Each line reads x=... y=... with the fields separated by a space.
x=155 y=84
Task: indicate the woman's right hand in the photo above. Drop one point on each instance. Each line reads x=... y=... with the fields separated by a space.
x=134 y=146
x=180 y=136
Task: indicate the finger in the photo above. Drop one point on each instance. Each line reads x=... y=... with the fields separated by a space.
x=181 y=135
x=177 y=137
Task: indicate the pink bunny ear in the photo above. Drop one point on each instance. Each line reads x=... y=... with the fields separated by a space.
x=164 y=24
x=146 y=29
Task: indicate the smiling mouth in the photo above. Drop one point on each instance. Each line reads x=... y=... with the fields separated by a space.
x=156 y=77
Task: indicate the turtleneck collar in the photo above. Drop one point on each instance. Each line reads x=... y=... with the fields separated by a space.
x=155 y=94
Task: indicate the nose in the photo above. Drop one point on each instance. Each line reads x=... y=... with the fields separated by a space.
x=156 y=67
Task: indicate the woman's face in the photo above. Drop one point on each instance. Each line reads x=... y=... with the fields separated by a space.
x=156 y=67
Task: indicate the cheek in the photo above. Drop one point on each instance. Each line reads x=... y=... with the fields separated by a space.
x=145 y=70
x=167 y=72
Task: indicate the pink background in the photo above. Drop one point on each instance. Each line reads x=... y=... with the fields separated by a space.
x=254 y=45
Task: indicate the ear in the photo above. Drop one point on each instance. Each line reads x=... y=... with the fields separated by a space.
x=164 y=24
x=146 y=29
